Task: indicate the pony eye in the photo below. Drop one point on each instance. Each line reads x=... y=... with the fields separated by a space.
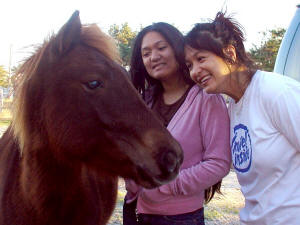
x=93 y=84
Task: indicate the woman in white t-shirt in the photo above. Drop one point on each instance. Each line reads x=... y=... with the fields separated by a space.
x=264 y=110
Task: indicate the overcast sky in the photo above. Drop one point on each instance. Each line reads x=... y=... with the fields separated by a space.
x=27 y=22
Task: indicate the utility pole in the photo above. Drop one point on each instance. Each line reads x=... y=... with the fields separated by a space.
x=9 y=72
x=9 y=64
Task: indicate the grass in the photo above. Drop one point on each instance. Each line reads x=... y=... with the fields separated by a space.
x=224 y=207
x=5 y=114
x=120 y=198
x=117 y=217
x=4 y=123
x=212 y=214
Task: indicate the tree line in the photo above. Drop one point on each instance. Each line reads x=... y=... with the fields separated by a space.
x=264 y=54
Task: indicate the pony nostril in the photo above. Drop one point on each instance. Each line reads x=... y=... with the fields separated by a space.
x=168 y=161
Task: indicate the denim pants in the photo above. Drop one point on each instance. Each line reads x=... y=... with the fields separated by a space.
x=130 y=217
x=192 y=218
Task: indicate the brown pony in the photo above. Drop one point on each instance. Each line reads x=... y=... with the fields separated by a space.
x=78 y=125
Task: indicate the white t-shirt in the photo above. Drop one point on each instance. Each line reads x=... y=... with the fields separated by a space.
x=265 y=147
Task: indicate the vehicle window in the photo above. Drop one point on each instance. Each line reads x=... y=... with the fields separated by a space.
x=292 y=67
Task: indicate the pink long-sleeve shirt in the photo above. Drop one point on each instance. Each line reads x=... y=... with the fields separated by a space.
x=201 y=126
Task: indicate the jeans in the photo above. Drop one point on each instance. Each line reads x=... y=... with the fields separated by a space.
x=192 y=218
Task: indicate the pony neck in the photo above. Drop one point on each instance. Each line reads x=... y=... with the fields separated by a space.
x=56 y=191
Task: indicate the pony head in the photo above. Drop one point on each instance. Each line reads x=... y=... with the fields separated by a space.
x=76 y=101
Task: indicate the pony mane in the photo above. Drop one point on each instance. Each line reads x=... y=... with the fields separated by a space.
x=90 y=35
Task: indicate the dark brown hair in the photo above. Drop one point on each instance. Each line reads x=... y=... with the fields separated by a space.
x=218 y=34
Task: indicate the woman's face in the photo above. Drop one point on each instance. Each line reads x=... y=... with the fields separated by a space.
x=158 y=56
x=207 y=69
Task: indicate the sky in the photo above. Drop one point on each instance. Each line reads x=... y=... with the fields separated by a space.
x=24 y=23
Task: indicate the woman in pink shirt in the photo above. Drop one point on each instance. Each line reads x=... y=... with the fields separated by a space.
x=197 y=120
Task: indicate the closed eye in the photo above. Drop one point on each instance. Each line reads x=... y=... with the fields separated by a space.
x=200 y=58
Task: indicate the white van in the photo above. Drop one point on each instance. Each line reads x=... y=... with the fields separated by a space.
x=288 y=58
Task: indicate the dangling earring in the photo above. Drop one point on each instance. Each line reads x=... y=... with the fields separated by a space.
x=231 y=61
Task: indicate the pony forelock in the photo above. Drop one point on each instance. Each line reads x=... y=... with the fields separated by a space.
x=92 y=36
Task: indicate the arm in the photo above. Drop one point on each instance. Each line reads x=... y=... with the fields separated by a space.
x=285 y=114
x=214 y=125
x=132 y=190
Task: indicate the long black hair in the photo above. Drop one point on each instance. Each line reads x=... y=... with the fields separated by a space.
x=140 y=77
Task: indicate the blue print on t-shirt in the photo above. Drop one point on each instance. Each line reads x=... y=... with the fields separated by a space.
x=241 y=148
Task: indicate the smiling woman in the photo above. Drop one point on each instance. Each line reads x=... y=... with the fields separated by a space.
x=198 y=121
x=158 y=56
x=264 y=113
x=207 y=69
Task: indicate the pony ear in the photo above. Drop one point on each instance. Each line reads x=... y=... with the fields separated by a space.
x=67 y=36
